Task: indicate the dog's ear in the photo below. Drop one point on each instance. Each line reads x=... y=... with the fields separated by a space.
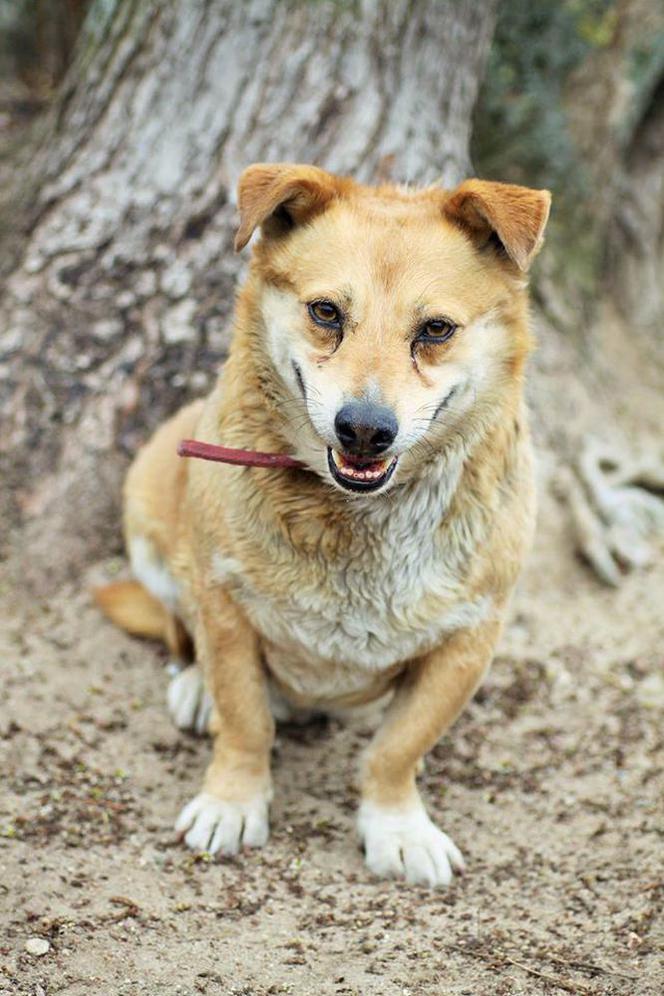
x=279 y=196
x=514 y=217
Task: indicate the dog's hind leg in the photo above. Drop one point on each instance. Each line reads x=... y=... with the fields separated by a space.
x=129 y=605
x=189 y=702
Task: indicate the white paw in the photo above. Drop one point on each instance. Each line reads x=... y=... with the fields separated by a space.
x=406 y=844
x=210 y=824
x=189 y=704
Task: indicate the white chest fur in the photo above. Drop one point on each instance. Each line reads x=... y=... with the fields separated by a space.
x=337 y=623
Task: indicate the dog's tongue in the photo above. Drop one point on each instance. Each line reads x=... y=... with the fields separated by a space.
x=357 y=463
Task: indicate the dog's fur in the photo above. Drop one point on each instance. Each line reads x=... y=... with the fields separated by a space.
x=297 y=594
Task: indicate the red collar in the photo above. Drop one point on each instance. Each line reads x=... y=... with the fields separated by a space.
x=243 y=458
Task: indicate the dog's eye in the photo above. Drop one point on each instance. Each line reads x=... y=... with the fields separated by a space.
x=325 y=313
x=436 y=330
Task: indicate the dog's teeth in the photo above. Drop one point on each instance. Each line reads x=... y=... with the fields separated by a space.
x=374 y=472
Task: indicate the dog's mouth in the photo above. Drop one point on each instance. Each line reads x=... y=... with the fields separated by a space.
x=355 y=474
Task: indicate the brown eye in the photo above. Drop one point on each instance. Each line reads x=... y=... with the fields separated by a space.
x=325 y=313
x=435 y=331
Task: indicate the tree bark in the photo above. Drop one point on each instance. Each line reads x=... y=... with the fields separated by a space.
x=121 y=278
x=614 y=478
x=635 y=258
x=616 y=115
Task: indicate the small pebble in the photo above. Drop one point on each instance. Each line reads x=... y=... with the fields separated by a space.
x=37 y=946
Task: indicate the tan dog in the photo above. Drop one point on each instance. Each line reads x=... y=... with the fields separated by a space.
x=380 y=338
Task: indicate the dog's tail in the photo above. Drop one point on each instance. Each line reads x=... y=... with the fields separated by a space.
x=131 y=606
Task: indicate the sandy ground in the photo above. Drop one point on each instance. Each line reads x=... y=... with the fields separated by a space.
x=551 y=783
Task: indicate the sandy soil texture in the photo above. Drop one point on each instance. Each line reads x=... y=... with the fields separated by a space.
x=551 y=783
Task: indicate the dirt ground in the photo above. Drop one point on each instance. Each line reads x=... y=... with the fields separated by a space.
x=551 y=783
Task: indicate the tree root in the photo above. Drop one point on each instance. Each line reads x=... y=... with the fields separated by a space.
x=616 y=502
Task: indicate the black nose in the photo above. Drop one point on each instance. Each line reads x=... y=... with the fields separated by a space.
x=365 y=429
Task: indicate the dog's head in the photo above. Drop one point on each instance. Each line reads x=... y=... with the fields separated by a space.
x=391 y=318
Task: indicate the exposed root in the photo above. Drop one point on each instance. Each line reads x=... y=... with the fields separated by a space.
x=617 y=504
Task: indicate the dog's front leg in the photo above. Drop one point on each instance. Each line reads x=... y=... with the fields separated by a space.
x=398 y=836
x=232 y=809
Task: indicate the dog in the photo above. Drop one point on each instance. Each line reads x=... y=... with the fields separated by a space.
x=380 y=338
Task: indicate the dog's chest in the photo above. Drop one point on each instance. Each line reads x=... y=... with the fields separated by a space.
x=334 y=635
x=331 y=625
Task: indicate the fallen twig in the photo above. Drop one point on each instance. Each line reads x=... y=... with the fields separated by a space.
x=569 y=985
x=588 y=966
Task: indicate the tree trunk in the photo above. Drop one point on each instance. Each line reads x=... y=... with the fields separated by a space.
x=635 y=263
x=122 y=277
x=615 y=104
x=614 y=375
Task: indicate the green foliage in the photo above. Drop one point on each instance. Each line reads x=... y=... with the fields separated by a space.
x=36 y=38
x=16 y=42
x=521 y=132
x=646 y=71
x=520 y=128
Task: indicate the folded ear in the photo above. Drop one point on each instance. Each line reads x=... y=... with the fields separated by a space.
x=279 y=196
x=514 y=216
